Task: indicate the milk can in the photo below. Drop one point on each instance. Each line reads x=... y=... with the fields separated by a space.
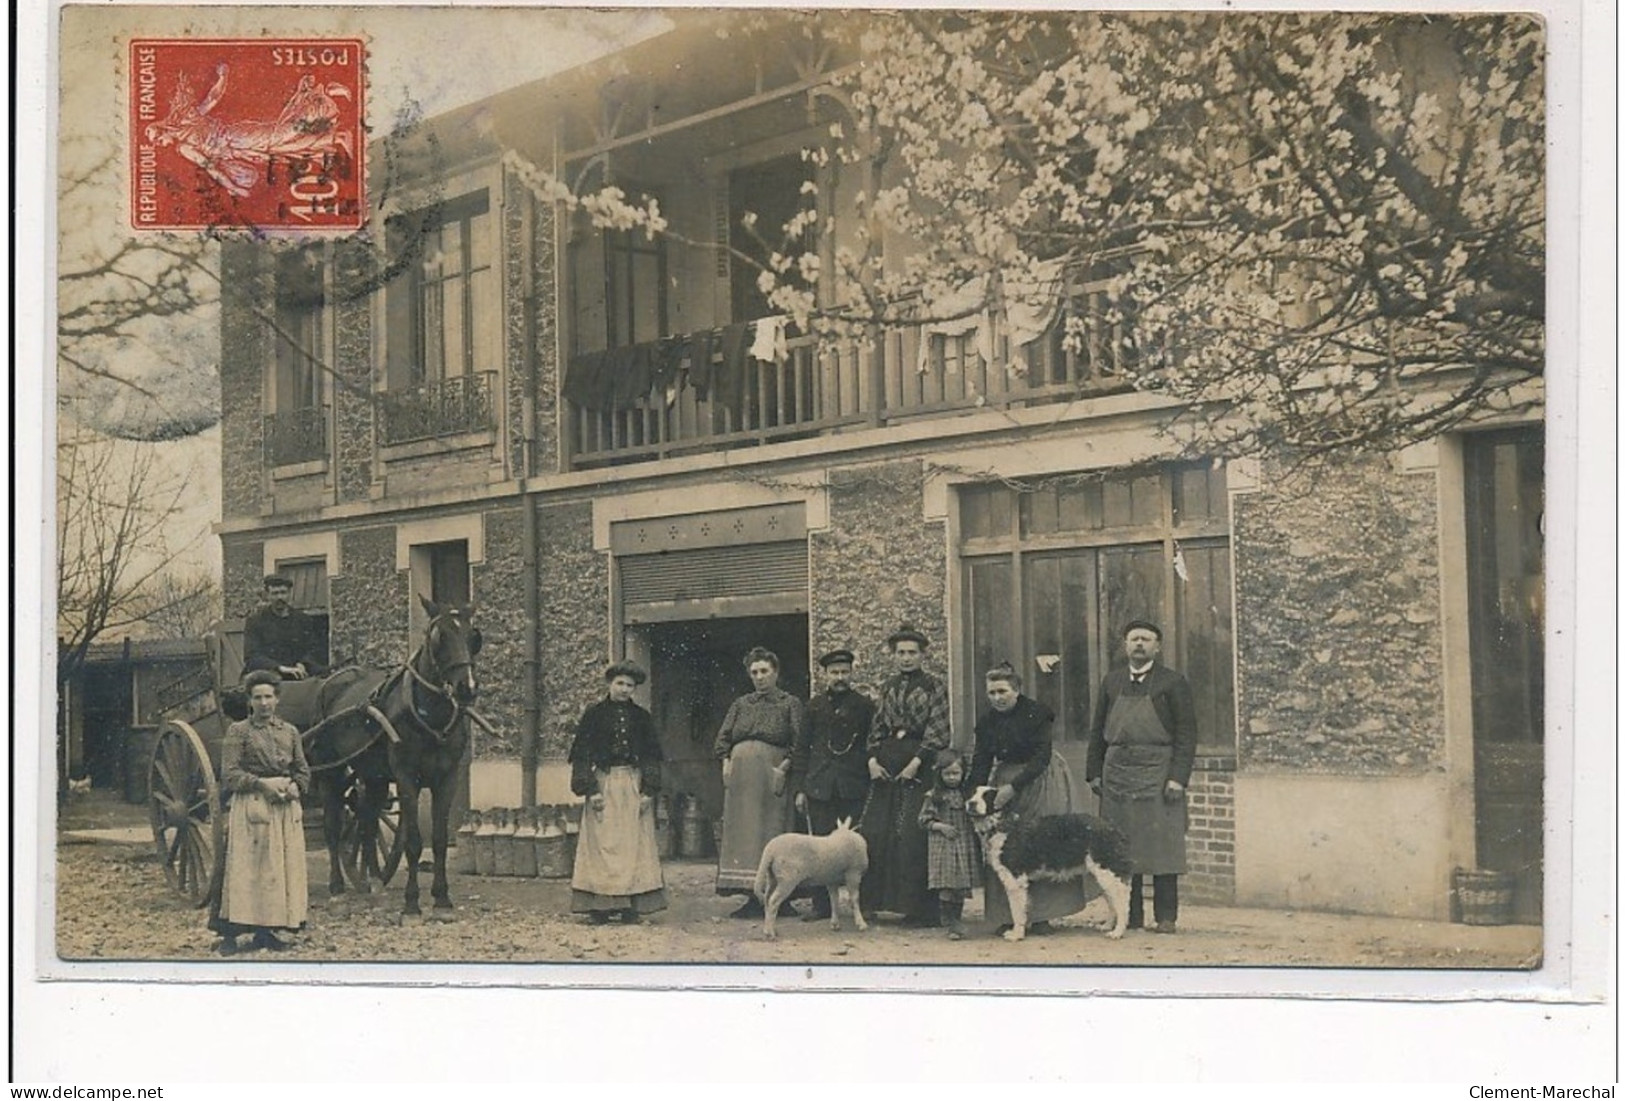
x=552 y=845
x=462 y=855
x=502 y=842
x=665 y=835
x=693 y=830
x=524 y=843
x=485 y=844
x=572 y=834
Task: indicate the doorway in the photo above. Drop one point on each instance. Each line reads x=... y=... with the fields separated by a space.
x=1505 y=570
x=696 y=670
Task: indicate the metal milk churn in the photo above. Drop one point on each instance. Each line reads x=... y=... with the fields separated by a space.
x=524 y=842
x=693 y=830
x=552 y=846
x=462 y=856
x=502 y=849
x=485 y=844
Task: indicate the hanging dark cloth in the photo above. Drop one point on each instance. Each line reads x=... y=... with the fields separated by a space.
x=670 y=355
x=729 y=382
x=701 y=350
x=635 y=376
x=584 y=381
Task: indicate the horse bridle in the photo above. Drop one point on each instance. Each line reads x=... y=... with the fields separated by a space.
x=445 y=691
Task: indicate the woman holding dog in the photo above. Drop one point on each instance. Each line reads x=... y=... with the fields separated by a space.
x=262 y=764
x=615 y=766
x=1015 y=753
x=754 y=746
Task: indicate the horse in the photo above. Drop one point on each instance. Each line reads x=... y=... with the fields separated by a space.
x=410 y=726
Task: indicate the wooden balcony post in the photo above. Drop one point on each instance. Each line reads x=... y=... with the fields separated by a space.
x=877 y=374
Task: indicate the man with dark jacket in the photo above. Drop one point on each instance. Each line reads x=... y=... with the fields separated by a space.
x=1142 y=745
x=829 y=764
x=279 y=637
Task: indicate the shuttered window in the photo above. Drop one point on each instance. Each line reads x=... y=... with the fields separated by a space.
x=756 y=579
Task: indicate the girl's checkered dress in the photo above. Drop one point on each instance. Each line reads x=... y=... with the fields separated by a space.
x=953 y=863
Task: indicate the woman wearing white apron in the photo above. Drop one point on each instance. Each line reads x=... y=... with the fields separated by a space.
x=263 y=767
x=615 y=766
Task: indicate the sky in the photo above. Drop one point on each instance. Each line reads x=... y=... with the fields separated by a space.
x=421 y=61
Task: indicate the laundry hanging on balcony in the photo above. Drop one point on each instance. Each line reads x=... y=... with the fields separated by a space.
x=965 y=311
x=769 y=345
x=588 y=382
x=728 y=384
x=1030 y=300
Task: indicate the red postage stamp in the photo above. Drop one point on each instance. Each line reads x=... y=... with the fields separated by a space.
x=262 y=133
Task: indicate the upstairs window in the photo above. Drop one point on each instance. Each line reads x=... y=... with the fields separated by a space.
x=442 y=297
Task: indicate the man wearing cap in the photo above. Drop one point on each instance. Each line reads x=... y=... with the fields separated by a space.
x=279 y=637
x=829 y=764
x=911 y=725
x=1142 y=746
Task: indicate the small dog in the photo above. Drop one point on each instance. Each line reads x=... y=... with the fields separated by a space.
x=1055 y=846
x=80 y=786
x=837 y=860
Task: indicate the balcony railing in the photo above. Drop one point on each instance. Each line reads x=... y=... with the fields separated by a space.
x=625 y=407
x=296 y=436
x=433 y=410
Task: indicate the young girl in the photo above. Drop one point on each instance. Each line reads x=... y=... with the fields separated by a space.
x=954 y=855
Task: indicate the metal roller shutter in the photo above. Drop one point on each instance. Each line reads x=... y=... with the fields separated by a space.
x=708 y=582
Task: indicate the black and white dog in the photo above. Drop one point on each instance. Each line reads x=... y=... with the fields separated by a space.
x=1054 y=846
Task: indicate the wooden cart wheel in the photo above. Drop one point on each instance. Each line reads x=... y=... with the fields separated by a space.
x=380 y=855
x=188 y=822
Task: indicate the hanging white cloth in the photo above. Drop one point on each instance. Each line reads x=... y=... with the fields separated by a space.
x=967 y=308
x=1030 y=300
x=769 y=344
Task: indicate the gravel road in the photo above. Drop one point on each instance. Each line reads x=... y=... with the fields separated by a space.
x=113 y=904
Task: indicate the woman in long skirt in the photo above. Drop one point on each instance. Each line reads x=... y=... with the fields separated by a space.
x=1015 y=753
x=263 y=766
x=615 y=766
x=754 y=746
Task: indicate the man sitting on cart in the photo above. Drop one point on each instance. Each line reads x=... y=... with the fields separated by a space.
x=279 y=638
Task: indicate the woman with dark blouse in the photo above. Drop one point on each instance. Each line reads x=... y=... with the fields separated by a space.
x=754 y=746
x=1015 y=753
x=615 y=766
x=263 y=767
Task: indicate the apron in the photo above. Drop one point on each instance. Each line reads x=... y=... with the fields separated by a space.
x=265 y=881
x=616 y=855
x=751 y=815
x=1139 y=755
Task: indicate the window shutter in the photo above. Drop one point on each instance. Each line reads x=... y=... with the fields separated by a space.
x=405 y=259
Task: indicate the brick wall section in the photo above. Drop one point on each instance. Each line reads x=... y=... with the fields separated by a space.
x=574 y=605
x=242 y=576
x=1210 y=843
x=354 y=409
x=1337 y=622
x=499 y=593
x=370 y=619
x=879 y=565
x=245 y=349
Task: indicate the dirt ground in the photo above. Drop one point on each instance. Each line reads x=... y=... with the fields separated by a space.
x=113 y=904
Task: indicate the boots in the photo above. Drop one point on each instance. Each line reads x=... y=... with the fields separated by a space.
x=953 y=911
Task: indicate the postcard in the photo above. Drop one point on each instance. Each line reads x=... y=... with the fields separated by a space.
x=956 y=501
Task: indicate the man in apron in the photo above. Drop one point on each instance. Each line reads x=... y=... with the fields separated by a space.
x=1142 y=745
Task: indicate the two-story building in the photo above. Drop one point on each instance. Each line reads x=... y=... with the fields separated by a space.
x=608 y=442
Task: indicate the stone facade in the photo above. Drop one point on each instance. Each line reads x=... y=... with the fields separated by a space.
x=1337 y=622
x=370 y=622
x=245 y=339
x=574 y=620
x=354 y=406
x=243 y=576
x=499 y=595
x=880 y=564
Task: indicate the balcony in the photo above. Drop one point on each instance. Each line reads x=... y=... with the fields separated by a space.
x=434 y=410
x=633 y=405
x=296 y=436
